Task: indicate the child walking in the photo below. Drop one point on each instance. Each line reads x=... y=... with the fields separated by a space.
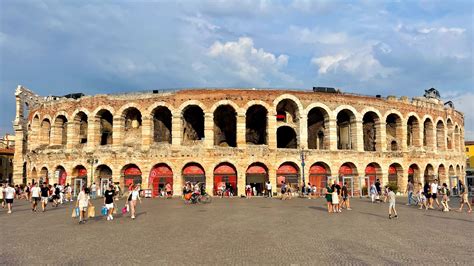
x=391 y=203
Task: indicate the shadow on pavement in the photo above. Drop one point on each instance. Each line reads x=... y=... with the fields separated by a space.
x=318 y=208
x=449 y=218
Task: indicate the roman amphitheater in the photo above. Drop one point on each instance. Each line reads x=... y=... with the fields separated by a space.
x=236 y=137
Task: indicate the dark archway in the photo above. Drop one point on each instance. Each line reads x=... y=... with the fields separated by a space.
x=225 y=126
x=369 y=122
x=286 y=138
x=256 y=125
x=193 y=124
x=162 y=125
x=105 y=119
x=346 y=133
x=318 y=129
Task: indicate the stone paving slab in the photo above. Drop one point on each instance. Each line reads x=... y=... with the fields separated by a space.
x=239 y=231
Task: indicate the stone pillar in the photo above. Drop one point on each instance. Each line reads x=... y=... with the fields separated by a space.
x=378 y=136
x=147 y=132
x=332 y=134
x=359 y=136
x=176 y=130
x=271 y=130
x=303 y=141
x=241 y=130
x=383 y=136
x=56 y=134
x=93 y=136
x=402 y=181
x=403 y=138
x=117 y=131
x=241 y=182
x=177 y=183
x=18 y=157
x=209 y=179
x=272 y=177
x=72 y=135
x=208 y=130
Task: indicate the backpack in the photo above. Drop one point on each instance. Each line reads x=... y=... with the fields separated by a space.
x=448 y=192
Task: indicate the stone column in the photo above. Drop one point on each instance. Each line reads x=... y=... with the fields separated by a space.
x=359 y=136
x=332 y=134
x=176 y=130
x=303 y=141
x=72 y=135
x=241 y=182
x=271 y=130
x=272 y=177
x=18 y=157
x=147 y=132
x=93 y=136
x=383 y=136
x=403 y=138
x=177 y=183
x=208 y=130
x=378 y=137
x=117 y=132
x=241 y=130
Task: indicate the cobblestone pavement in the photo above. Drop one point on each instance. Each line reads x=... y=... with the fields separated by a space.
x=239 y=231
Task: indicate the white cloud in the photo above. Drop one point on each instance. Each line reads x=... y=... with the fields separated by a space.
x=252 y=65
x=361 y=64
x=317 y=36
x=463 y=103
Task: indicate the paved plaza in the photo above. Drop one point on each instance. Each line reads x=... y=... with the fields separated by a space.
x=239 y=231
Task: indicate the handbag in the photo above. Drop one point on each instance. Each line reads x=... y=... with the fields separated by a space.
x=75 y=212
x=124 y=210
x=104 y=211
x=91 y=211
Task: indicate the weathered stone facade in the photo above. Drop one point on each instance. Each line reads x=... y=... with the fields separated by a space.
x=256 y=134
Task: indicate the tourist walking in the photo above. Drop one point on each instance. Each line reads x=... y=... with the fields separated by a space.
x=409 y=191
x=169 y=191
x=35 y=197
x=93 y=191
x=422 y=197
x=134 y=197
x=434 y=194
x=328 y=193
x=445 y=197
x=378 y=187
x=335 y=200
x=109 y=196
x=391 y=204
x=337 y=188
x=83 y=202
x=10 y=194
x=269 y=189
x=345 y=197
x=44 y=196
x=373 y=193
x=2 y=189
x=427 y=192
x=464 y=197
x=248 y=191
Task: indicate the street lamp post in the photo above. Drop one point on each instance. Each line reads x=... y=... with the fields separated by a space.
x=302 y=156
x=92 y=161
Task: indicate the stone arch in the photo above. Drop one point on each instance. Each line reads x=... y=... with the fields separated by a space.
x=60 y=129
x=131 y=122
x=45 y=131
x=161 y=174
x=413 y=130
x=79 y=110
x=287 y=137
x=373 y=172
x=321 y=106
x=101 y=108
x=104 y=129
x=440 y=135
x=152 y=108
x=216 y=105
x=186 y=104
x=457 y=138
x=429 y=174
x=60 y=175
x=256 y=124
x=193 y=172
x=428 y=132
x=289 y=172
x=193 y=124
x=415 y=176
x=80 y=127
x=162 y=123
x=393 y=130
x=44 y=175
x=291 y=97
x=121 y=113
x=225 y=125
x=442 y=175
x=103 y=171
x=256 y=175
x=36 y=128
x=318 y=128
x=131 y=174
x=225 y=175
x=288 y=116
x=319 y=173
x=346 y=121
x=371 y=130
x=395 y=175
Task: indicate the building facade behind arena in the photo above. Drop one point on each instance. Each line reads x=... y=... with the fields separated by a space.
x=237 y=137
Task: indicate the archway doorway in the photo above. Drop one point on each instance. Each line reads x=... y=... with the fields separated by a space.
x=194 y=173
x=61 y=175
x=160 y=175
x=103 y=175
x=225 y=175
x=289 y=173
x=132 y=175
x=256 y=176
x=347 y=173
x=318 y=176
x=79 y=179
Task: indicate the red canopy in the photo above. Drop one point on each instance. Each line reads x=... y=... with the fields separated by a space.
x=161 y=171
x=193 y=170
x=287 y=169
x=345 y=170
x=224 y=169
x=132 y=170
x=256 y=169
x=317 y=169
x=370 y=170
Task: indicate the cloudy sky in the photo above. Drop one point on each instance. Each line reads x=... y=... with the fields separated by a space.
x=368 y=47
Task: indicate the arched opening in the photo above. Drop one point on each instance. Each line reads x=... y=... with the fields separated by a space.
x=457 y=138
x=442 y=177
x=161 y=175
x=395 y=176
x=132 y=127
x=162 y=125
x=34 y=175
x=289 y=173
x=194 y=173
x=414 y=176
x=105 y=120
x=225 y=176
x=193 y=125
x=393 y=132
x=286 y=137
x=450 y=137
x=132 y=175
x=44 y=176
x=428 y=138
x=413 y=132
x=319 y=173
x=373 y=171
x=347 y=174
x=318 y=129
x=81 y=127
x=370 y=122
x=256 y=124
x=103 y=176
x=288 y=124
x=429 y=173
x=45 y=134
x=36 y=129
x=60 y=125
x=225 y=126
x=440 y=136
x=256 y=176
x=79 y=179
x=60 y=175
x=458 y=171
x=346 y=133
